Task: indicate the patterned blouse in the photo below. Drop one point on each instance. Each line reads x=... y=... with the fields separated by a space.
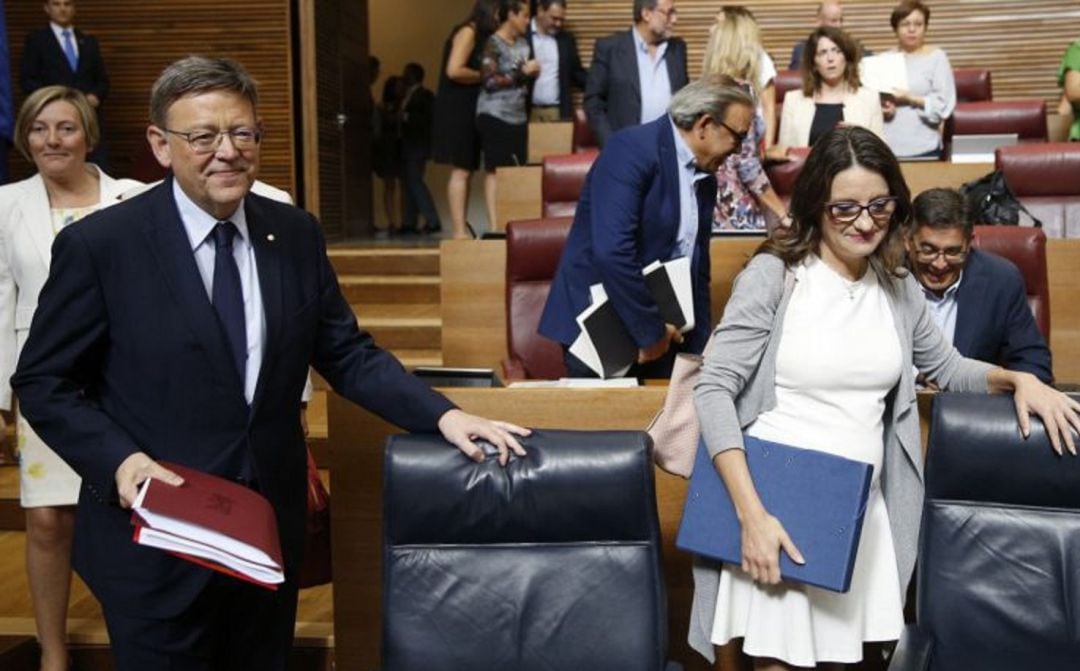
x=739 y=180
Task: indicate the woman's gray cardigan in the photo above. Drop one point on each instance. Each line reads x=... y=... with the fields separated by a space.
x=737 y=384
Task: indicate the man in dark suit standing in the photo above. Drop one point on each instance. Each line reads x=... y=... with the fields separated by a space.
x=560 y=65
x=416 y=119
x=63 y=54
x=634 y=73
x=649 y=197
x=978 y=299
x=180 y=329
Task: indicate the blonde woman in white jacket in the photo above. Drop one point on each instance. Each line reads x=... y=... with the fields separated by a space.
x=55 y=129
x=832 y=94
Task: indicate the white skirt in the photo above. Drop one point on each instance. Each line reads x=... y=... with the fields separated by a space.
x=44 y=478
x=804 y=625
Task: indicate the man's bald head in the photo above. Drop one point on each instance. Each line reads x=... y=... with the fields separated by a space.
x=830 y=14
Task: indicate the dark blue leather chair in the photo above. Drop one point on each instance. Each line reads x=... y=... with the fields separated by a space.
x=999 y=557
x=550 y=563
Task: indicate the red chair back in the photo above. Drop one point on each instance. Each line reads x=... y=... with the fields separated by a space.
x=1026 y=248
x=533 y=250
x=973 y=85
x=562 y=181
x=1046 y=179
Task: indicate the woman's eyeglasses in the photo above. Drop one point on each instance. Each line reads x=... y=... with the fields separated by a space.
x=847 y=211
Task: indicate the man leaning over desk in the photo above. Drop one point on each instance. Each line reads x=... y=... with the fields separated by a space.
x=649 y=197
x=179 y=327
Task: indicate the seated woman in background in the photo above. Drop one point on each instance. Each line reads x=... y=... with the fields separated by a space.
x=501 y=118
x=831 y=94
x=56 y=128
x=913 y=117
x=743 y=190
x=817 y=349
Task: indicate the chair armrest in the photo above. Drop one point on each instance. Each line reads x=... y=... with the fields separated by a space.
x=513 y=369
x=912 y=650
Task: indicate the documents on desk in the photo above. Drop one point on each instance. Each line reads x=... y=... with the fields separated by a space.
x=820 y=499
x=213 y=522
x=604 y=344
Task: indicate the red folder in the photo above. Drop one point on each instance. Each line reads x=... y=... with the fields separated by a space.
x=213 y=522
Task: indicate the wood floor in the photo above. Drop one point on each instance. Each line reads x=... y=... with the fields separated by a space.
x=395 y=293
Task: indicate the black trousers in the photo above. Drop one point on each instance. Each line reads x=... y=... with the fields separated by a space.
x=418 y=200
x=232 y=625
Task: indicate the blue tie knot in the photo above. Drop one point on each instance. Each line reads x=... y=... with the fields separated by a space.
x=223 y=234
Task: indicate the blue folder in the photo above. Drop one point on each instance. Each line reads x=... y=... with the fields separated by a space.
x=820 y=499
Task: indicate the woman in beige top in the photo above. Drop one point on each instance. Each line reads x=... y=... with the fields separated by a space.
x=831 y=92
x=55 y=129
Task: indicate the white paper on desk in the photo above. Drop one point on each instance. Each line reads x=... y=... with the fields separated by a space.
x=677 y=272
x=576 y=383
x=884 y=72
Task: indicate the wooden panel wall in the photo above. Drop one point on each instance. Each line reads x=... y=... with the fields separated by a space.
x=1021 y=42
x=139 y=37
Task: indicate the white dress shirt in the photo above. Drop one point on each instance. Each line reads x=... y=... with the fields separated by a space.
x=58 y=31
x=689 y=176
x=653 y=78
x=198 y=225
x=546 y=50
x=943 y=308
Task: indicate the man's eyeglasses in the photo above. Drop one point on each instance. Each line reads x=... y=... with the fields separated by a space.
x=206 y=141
x=847 y=211
x=739 y=137
x=952 y=255
x=667 y=13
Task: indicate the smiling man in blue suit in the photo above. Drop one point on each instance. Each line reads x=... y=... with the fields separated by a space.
x=179 y=327
x=649 y=197
x=978 y=299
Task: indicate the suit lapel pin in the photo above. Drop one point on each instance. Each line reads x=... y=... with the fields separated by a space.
x=270 y=237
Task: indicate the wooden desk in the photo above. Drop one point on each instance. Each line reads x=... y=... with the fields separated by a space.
x=356 y=443
x=474 y=298
x=549 y=139
x=517 y=195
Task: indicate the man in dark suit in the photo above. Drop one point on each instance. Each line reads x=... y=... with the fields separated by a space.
x=978 y=299
x=634 y=73
x=560 y=65
x=180 y=329
x=416 y=120
x=63 y=54
x=649 y=197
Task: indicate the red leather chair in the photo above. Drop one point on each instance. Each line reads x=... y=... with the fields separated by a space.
x=1026 y=118
x=583 y=136
x=1046 y=179
x=1026 y=248
x=562 y=179
x=973 y=85
x=786 y=80
x=533 y=250
x=783 y=175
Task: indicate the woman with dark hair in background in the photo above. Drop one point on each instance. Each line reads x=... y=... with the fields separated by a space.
x=914 y=117
x=817 y=349
x=386 y=153
x=501 y=117
x=831 y=92
x=455 y=141
x=56 y=128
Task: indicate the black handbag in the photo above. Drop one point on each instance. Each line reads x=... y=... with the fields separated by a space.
x=991 y=201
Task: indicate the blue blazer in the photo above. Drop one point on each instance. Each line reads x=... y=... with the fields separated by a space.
x=628 y=217
x=613 y=88
x=993 y=320
x=125 y=354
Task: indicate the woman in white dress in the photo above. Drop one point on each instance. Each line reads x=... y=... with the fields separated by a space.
x=816 y=349
x=55 y=129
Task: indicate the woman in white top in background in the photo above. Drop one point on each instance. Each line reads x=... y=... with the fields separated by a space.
x=56 y=129
x=913 y=117
x=831 y=94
